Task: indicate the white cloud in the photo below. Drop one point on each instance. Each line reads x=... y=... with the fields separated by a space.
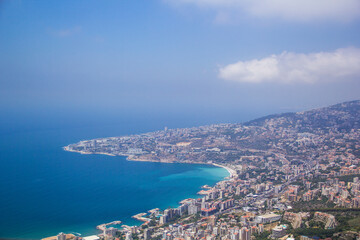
x=295 y=10
x=293 y=67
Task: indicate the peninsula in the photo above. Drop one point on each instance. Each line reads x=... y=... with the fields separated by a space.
x=304 y=137
x=293 y=175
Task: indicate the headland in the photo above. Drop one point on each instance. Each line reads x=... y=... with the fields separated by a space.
x=277 y=163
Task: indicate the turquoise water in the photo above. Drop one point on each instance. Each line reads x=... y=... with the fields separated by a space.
x=45 y=190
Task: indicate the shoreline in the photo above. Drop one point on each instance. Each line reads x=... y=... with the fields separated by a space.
x=140 y=216
x=231 y=171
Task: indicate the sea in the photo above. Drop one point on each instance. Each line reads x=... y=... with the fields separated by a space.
x=45 y=190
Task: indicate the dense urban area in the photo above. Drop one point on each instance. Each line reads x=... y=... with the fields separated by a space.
x=293 y=176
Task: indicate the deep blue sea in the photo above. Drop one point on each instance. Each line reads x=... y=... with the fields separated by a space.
x=45 y=190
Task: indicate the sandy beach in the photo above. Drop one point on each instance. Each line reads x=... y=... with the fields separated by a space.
x=232 y=172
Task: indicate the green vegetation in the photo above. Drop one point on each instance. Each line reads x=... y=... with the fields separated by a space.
x=335 y=210
x=135 y=236
x=354 y=224
x=193 y=218
x=319 y=232
x=319 y=205
x=262 y=236
x=316 y=224
x=348 y=220
x=152 y=222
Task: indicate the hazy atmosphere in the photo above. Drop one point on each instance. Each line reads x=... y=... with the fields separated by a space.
x=204 y=60
x=179 y=119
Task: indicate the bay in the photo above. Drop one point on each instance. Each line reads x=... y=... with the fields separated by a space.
x=45 y=190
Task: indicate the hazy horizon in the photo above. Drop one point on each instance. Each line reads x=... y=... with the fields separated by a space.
x=195 y=62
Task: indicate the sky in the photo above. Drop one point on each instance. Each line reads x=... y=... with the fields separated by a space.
x=193 y=61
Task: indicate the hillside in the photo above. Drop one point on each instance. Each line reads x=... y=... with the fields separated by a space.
x=343 y=116
x=324 y=134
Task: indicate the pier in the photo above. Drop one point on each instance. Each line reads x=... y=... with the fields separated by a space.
x=103 y=226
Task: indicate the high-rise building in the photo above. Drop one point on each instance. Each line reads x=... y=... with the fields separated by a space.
x=182 y=209
x=147 y=234
x=193 y=209
x=61 y=236
x=245 y=234
x=163 y=219
x=128 y=236
x=111 y=232
x=212 y=220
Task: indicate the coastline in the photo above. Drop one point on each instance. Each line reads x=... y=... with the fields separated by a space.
x=140 y=216
x=67 y=149
x=232 y=174
x=231 y=171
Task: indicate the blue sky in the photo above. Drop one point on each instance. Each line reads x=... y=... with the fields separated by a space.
x=215 y=60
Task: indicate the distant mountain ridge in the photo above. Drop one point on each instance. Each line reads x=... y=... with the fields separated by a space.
x=344 y=116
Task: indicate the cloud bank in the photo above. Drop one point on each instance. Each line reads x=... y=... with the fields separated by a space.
x=294 y=68
x=296 y=10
